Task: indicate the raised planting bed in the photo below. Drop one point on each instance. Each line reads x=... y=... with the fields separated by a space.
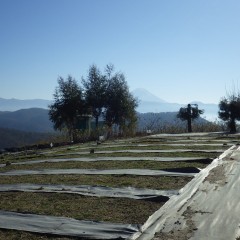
x=107 y=165
x=152 y=182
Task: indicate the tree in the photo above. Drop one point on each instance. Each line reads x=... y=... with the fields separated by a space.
x=229 y=111
x=189 y=113
x=120 y=103
x=68 y=105
x=95 y=92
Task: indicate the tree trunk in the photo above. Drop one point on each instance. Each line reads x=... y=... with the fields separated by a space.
x=109 y=131
x=232 y=125
x=189 y=122
x=96 y=122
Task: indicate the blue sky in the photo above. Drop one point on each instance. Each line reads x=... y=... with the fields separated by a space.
x=178 y=50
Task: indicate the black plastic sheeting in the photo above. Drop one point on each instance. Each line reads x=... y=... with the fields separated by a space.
x=66 y=226
x=85 y=159
x=140 y=172
x=96 y=191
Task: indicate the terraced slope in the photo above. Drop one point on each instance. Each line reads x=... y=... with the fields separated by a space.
x=57 y=195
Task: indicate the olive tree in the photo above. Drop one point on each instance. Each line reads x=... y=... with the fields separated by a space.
x=120 y=104
x=68 y=105
x=229 y=111
x=189 y=113
x=95 y=92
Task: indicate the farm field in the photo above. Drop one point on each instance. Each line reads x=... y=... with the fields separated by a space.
x=114 y=185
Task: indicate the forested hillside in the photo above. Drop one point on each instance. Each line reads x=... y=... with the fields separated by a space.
x=29 y=126
x=30 y=120
x=16 y=138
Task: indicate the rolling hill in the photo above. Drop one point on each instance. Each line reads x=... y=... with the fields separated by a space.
x=28 y=126
x=30 y=120
x=15 y=138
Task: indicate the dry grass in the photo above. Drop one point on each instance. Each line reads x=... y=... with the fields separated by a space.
x=22 y=157
x=155 y=165
x=21 y=235
x=119 y=210
x=151 y=182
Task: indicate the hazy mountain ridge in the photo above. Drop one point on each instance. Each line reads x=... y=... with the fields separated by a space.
x=144 y=95
x=32 y=119
x=148 y=102
x=32 y=116
x=17 y=104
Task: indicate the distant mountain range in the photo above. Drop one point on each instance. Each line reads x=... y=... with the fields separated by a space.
x=29 y=120
x=29 y=126
x=26 y=121
x=150 y=103
x=147 y=103
x=17 y=104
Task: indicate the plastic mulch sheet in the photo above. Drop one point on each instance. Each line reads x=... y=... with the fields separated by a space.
x=87 y=190
x=65 y=226
x=206 y=208
x=140 y=172
x=85 y=159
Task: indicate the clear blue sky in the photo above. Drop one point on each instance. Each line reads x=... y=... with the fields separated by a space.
x=179 y=50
